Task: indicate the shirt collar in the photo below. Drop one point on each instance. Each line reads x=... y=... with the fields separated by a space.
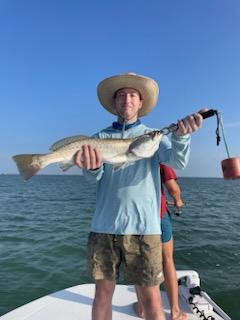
x=120 y=126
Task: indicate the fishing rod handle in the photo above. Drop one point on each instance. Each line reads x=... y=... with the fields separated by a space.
x=209 y=113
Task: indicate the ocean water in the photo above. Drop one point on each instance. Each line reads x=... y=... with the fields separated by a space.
x=44 y=226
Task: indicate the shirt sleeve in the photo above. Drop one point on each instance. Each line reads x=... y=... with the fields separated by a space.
x=91 y=175
x=175 y=152
x=167 y=173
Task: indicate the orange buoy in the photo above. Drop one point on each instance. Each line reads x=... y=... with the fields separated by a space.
x=231 y=168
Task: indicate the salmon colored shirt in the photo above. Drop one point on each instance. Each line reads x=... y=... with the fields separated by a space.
x=166 y=173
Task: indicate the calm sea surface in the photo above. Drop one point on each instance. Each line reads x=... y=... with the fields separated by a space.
x=44 y=225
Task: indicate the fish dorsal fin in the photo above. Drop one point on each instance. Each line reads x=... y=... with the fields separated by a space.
x=63 y=142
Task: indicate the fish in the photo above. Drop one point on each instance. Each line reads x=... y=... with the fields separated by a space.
x=116 y=152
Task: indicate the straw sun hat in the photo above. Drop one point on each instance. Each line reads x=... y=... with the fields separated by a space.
x=147 y=87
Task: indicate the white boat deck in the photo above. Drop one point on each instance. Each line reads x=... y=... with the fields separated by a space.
x=75 y=303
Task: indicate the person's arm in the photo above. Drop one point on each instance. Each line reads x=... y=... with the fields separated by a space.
x=175 y=192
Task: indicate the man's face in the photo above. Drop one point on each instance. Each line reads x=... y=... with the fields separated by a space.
x=127 y=103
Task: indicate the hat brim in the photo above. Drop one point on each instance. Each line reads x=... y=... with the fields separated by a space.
x=147 y=87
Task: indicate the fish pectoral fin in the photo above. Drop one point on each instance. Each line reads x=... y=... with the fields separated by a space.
x=141 y=147
x=117 y=166
x=65 y=165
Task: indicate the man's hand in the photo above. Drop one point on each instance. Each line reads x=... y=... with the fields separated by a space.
x=190 y=123
x=88 y=158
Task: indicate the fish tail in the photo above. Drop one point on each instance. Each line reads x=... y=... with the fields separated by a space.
x=29 y=164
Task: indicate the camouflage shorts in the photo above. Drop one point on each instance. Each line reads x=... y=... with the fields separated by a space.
x=140 y=255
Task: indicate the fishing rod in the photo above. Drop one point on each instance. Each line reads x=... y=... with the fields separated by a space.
x=174 y=126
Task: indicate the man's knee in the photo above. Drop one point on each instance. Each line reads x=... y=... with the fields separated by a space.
x=149 y=295
x=104 y=292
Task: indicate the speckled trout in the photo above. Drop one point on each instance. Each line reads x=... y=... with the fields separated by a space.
x=113 y=151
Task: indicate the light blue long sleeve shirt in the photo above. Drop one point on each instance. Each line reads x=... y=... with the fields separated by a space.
x=128 y=199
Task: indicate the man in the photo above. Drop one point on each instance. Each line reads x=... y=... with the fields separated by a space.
x=122 y=230
x=168 y=179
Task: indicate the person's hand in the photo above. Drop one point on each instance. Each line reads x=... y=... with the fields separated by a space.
x=178 y=207
x=178 y=203
x=190 y=123
x=88 y=158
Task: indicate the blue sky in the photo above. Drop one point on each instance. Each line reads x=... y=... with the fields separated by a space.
x=54 y=53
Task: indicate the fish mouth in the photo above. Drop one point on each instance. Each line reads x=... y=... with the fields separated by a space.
x=154 y=133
